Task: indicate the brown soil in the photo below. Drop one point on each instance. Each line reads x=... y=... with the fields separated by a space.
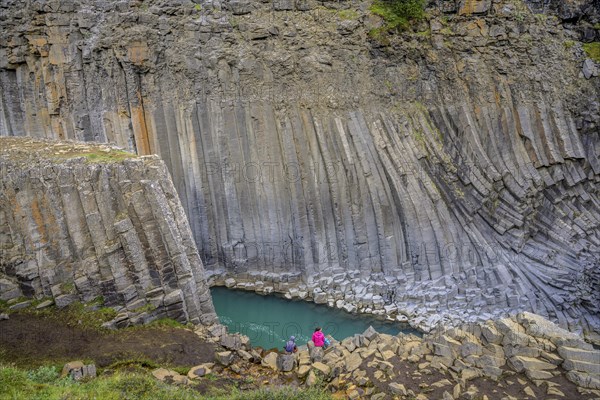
x=30 y=340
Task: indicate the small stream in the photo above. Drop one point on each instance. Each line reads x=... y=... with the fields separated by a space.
x=269 y=321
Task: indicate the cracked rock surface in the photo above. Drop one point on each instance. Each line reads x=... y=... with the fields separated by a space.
x=440 y=175
x=81 y=221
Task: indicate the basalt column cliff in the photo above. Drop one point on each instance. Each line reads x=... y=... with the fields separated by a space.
x=89 y=223
x=444 y=173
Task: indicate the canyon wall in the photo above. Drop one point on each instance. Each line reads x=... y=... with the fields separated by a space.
x=95 y=224
x=449 y=172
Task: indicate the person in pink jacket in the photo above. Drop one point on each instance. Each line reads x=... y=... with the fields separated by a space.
x=318 y=338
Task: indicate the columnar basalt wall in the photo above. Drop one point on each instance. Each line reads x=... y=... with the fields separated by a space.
x=80 y=222
x=445 y=173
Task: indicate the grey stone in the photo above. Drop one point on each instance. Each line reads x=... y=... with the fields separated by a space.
x=286 y=362
x=224 y=358
x=589 y=69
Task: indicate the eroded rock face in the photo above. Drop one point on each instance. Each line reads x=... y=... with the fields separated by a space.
x=78 y=222
x=452 y=172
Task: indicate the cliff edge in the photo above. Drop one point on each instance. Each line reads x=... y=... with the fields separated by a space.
x=83 y=221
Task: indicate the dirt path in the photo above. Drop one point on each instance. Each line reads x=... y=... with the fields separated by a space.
x=30 y=340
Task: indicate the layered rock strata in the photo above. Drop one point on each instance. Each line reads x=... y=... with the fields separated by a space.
x=85 y=222
x=446 y=173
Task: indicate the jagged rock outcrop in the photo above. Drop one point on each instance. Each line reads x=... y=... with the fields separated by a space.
x=441 y=174
x=81 y=221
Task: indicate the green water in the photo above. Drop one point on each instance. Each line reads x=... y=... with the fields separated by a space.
x=269 y=321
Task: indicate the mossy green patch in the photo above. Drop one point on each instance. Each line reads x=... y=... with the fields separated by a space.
x=99 y=157
x=87 y=316
x=592 y=50
x=348 y=14
x=398 y=13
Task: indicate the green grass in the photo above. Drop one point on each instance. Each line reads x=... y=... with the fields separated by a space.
x=592 y=50
x=167 y=323
x=87 y=316
x=95 y=157
x=145 y=308
x=350 y=15
x=398 y=13
x=44 y=383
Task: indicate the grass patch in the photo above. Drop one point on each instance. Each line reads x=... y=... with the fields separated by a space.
x=145 y=308
x=592 y=50
x=350 y=15
x=398 y=14
x=87 y=316
x=45 y=383
x=164 y=323
x=97 y=156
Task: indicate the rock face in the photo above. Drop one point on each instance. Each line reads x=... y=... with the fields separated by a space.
x=452 y=171
x=78 y=222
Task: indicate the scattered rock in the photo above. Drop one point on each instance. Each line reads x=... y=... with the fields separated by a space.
x=323 y=368
x=224 y=358
x=286 y=362
x=270 y=360
x=398 y=388
x=168 y=376
x=311 y=380
x=200 y=370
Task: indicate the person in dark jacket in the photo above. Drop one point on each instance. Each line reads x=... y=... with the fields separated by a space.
x=290 y=346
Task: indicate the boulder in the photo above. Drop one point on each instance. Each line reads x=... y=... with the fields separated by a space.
x=370 y=333
x=582 y=366
x=541 y=327
x=231 y=342
x=524 y=364
x=200 y=370
x=311 y=380
x=575 y=354
x=490 y=333
x=584 y=379
x=224 y=358
x=322 y=368
x=230 y=282
x=316 y=354
x=286 y=362
x=352 y=362
x=302 y=371
x=70 y=366
x=397 y=388
x=169 y=376
x=244 y=355
x=514 y=334
x=270 y=360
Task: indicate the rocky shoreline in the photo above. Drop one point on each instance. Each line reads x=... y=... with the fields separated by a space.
x=354 y=294
x=525 y=352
